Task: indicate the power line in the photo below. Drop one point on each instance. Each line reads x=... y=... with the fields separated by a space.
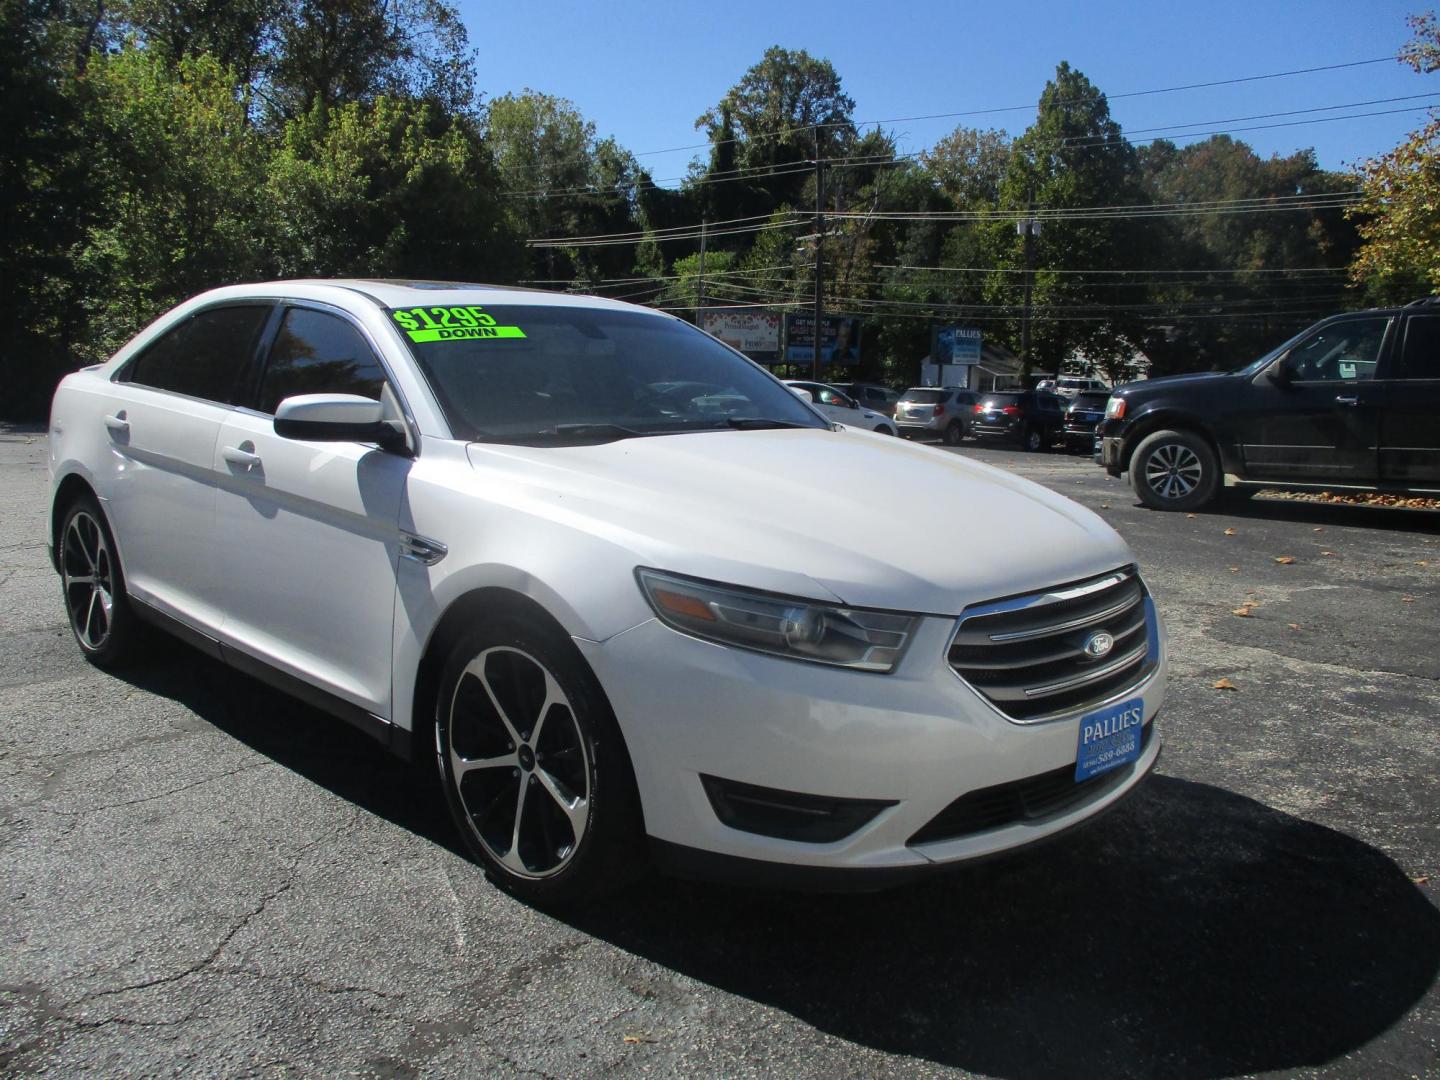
x=1066 y=102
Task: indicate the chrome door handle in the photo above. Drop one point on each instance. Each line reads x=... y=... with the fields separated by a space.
x=238 y=455
x=118 y=423
x=1343 y=400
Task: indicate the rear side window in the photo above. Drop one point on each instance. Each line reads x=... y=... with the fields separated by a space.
x=205 y=356
x=1421 y=356
x=318 y=353
x=999 y=401
x=926 y=397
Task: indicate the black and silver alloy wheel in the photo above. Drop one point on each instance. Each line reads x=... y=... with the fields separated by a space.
x=87 y=571
x=518 y=762
x=535 y=771
x=1174 y=470
x=93 y=586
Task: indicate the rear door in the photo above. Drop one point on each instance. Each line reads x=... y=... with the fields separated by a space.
x=1320 y=423
x=1410 y=406
x=168 y=405
x=309 y=531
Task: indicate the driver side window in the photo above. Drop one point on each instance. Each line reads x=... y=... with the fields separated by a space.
x=1345 y=352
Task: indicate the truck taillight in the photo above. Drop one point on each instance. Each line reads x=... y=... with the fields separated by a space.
x=939 y=410
x=1011 y=410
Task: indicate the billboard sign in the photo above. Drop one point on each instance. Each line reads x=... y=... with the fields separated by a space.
x=755 y=333
x=956 y=345
x=839 y=339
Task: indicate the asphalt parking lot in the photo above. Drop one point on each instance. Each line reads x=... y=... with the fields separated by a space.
x=198 y=876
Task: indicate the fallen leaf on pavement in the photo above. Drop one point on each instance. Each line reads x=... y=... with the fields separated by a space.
x=1229 y=532
x=1421 y=562
x=638 y=1039
x=1191 y=516
x=1407 y=599
x=1224 y=684
x=1293 y=625
x=1284 y=560
x=1318 y=528
x=1423 y=879
x=1327 y=553
x=1234 y=569
x=1243 y=612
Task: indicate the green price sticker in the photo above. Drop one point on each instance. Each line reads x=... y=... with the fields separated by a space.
x=455 y=323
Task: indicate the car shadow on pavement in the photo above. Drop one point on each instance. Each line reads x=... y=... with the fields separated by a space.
x=314 y=744
x=1304 y=512
x=1191 y=933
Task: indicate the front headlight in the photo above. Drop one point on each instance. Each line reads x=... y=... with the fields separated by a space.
x=782 y=626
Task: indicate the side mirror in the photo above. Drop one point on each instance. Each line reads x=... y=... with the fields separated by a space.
x=803 y=394
x=1279 y=373
x=335 y=418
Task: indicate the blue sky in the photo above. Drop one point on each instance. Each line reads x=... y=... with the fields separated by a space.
x=644 y=70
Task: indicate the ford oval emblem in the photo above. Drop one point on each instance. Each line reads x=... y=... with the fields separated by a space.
x=1099 y=644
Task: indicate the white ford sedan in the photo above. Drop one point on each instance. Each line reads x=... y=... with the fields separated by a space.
x=595 y=562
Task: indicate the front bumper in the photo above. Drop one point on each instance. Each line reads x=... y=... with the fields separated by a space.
x=918 y=738
x=1110 y=454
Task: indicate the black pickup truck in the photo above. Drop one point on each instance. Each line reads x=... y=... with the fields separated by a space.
x=1351 y=403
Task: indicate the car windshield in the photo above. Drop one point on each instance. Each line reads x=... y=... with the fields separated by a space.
x=1255 y=365
x=926 y=397
x=551 y=373
x=1089 y=401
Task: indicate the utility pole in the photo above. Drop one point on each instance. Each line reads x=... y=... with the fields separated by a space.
x=819 y=257
x=700 y=284
x=1029 y=228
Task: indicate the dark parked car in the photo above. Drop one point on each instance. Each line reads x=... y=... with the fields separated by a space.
x=930 y=411
x=1352 y=402
x=872 y=396
x=1082 y=417
x=1033 y=418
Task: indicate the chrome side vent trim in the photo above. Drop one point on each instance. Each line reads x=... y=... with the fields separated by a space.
x=421 y=549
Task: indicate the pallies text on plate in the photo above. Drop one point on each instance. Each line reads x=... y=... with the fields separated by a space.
x=1110 y=725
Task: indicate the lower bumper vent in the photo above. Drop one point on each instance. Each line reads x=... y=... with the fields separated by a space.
x=1029 y=799
x=788 y=815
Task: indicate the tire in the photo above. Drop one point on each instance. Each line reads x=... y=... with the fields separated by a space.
x=554 y=817
x=885 y=429
x=92 y=583
x=1174 y=470
x=954 y=434
x=1033 y=439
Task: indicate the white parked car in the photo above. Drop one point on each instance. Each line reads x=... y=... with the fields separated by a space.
x=842 y=408
x=628 y=595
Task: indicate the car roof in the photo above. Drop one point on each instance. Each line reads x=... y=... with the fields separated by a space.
x=399 y=293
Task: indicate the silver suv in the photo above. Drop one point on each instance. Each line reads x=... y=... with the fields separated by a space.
x=936 y=412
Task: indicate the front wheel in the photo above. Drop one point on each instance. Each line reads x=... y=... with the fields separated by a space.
x=1174 y=470
x=1033 y=439
x=534 y=769
x=93 y=584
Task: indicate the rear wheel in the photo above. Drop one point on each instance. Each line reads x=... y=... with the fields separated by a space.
x=534 y=770
x=1174 y=470
x=954 y=433
x=93 y=584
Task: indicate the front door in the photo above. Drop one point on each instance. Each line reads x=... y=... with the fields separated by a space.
x=308 y=531
x=1318 y=421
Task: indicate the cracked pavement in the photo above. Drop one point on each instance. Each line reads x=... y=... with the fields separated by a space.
x=200 y=877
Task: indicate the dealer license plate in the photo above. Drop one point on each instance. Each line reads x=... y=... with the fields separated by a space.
x=1109 y=738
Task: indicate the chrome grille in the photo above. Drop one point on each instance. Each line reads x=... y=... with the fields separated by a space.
x=1027 y=654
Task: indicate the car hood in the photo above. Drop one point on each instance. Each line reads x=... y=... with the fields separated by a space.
x=1170 y=382
x=865 y=519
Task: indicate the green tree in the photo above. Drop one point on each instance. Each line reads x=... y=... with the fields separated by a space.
x=181 y=171
x=394 y=187
x=1072 y=158
x=1399 y=211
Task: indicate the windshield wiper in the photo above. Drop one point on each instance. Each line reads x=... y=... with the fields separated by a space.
x=758 y=423
x=564 y=433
